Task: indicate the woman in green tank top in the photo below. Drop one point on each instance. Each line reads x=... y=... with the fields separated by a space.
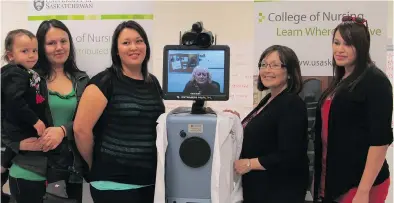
x=64 y=84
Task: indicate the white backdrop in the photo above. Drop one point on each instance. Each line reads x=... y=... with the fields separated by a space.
x=306 y=27
x=92 y=24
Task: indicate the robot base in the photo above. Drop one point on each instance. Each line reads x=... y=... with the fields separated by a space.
x=189 y=153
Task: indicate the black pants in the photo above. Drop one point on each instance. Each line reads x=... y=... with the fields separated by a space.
x=6 y=157
x=4 y=178
x=5 y=198
x=291 y=191
x=140 y=195
x=25 y=191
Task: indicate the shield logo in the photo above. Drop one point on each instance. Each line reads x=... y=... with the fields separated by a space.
x=38 y=4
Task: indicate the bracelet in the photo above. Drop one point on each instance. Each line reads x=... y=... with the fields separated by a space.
x=249 y=164
x=64 y=132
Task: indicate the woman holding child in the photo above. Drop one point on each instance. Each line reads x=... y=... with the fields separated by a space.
x=61 y=84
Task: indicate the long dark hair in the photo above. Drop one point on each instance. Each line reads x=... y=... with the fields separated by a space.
x=116 y=62
x=354 y=34
x=43 y=65
x=291 y=63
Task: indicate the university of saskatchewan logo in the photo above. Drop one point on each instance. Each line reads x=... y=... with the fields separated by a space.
x=38 y=4
x=261 y=17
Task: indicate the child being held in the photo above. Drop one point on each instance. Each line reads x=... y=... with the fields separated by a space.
x=22 y=109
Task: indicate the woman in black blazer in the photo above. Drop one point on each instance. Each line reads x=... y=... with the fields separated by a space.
x=274 y=161
x=353 y=123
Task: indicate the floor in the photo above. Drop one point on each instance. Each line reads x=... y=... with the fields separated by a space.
x=88 y=199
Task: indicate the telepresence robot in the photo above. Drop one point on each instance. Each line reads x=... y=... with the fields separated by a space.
x=195 y=70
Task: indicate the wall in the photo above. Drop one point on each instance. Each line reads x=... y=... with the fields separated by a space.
x=13 y=15
x=390 y=22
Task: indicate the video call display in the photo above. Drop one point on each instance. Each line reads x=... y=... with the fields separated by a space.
x=196 y=74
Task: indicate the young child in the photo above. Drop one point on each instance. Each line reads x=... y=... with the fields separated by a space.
x=22 y=105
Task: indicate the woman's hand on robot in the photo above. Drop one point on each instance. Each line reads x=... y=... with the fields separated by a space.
x=231 y=111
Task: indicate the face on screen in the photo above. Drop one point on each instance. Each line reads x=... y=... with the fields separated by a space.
x=201 y=76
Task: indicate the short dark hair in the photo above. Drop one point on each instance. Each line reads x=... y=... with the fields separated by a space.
x=10 y=38
x=290 y=60
x=116 y=62
x=43 y=64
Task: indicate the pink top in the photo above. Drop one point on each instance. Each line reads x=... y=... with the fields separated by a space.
x=325 y=111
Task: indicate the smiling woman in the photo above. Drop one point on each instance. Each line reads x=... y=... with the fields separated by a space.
x=60 y=87
x=274 y=161
x=120 y=108
x=54 y=37
x=359 y=102
x=131 y=50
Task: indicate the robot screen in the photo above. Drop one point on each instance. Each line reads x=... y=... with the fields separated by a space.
x=195 y=73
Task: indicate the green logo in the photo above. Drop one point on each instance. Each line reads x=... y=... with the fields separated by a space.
x=261 y=17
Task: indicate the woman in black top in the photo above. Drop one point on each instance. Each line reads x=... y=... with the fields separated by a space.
x=119 y=108
x=274 y=160
x=353 y=122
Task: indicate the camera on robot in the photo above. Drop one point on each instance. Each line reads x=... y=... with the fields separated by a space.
x=198 y=36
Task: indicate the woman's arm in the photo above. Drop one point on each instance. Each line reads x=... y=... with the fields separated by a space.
x=28 y=144
x=375 y=160
x=91 y=106
x=379 y=109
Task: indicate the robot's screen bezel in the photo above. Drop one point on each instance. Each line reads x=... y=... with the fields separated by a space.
x=179 y=95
